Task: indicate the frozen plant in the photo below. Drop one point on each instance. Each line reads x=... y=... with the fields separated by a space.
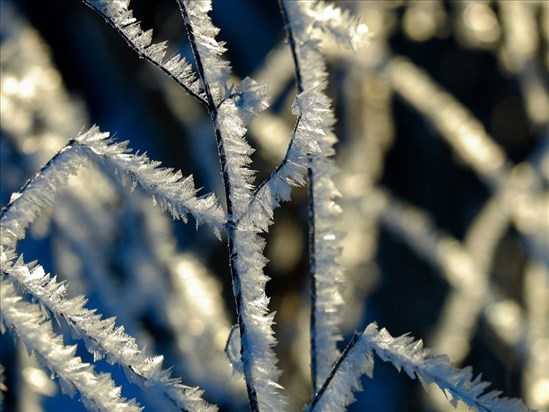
x=240 y=215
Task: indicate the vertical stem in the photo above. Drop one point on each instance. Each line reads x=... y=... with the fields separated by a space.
x=293 y=46
x=310 y=209
x=312 y=272
x=231 y=224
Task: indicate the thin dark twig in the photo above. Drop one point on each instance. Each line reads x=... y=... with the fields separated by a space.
x=231 y=224
x=140 y=53
x=310 y=207
x=322 y=390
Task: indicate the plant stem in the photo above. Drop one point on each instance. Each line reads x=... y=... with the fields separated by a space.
x=334 y=370
x=310 y=209
x=231 y=223
x=142 y=55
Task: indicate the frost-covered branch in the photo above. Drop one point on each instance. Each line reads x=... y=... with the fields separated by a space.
x=230 y=112
x=310 y=107
x=170 y=190
x=324 y=237
x=37 y=193
x=213 y=71
x=405 y=353
x=102 y=337
x=97 y=391
x=119 y=16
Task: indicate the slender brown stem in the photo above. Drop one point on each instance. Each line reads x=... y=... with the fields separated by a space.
x=310 y=207
x=190 y=91
x=231 y=223
x=334 y=370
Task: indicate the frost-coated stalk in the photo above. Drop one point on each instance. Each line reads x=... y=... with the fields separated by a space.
x=312 y=279
x=102 y=337
x=22 y=210
x=310 y=209
x=323 y=269
x=98 y=392
x=293 y=46
x=171 y=190
x=319 y=394
x=230 y=225
x=409 y=355
x=120 y=17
